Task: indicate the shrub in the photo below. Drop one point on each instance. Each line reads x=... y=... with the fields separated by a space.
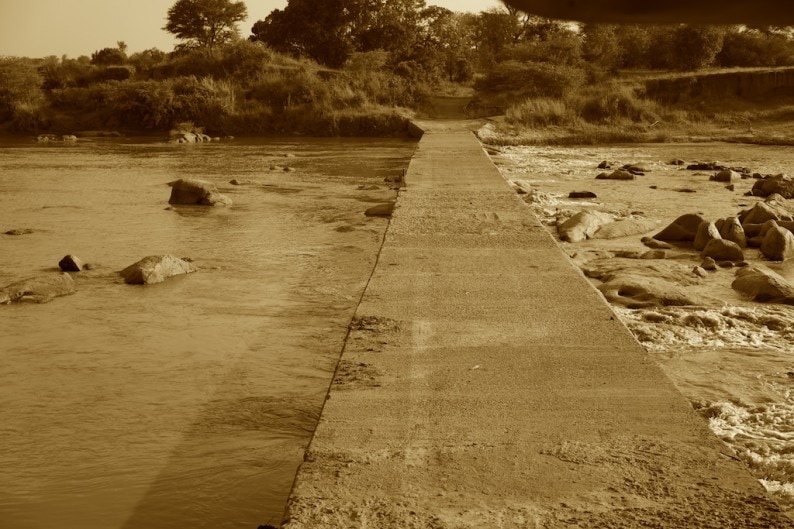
x=613 y=104
x=29 y=117
x=533 y=79
x=20 y=84
x=542 y=112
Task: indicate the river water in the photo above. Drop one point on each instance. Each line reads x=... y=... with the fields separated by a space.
x=733 y=358
x=188 y=403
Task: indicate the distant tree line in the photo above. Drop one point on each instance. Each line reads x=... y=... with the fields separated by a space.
x=326 y=61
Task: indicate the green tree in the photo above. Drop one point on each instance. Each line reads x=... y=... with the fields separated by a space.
x=205 y=24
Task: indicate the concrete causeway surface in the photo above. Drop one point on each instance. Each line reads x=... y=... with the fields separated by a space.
x=486 y=384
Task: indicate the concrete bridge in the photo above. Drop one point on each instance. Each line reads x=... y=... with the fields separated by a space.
x=486 y=384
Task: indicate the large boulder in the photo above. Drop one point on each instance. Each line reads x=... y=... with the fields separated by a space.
x=684 y=228
x=773 y=208
x=763 y=285
x=156 y=269
x=39 y=289
x=778 y=243
x=722 y=250
x=583 y=225
x=780 y=184
x=190 y=191
x=731 y=230
x=707 y=231
x=726 y=176
x=625 y=228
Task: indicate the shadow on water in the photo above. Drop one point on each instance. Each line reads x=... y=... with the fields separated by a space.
x=233 y=466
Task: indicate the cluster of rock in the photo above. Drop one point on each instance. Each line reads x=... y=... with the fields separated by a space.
x=46 y=287
x=626 y=172
x=768 y=225
x=191 y=137
x=664 y=278
x=47 y=138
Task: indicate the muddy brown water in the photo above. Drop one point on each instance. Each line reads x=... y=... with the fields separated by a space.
x=189 y=403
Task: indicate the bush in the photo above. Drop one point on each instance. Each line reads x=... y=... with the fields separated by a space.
x=533 y=79
x=614 y=104
x=20 y=84
x=542 y=112
x=30 y=117
x=754 y=48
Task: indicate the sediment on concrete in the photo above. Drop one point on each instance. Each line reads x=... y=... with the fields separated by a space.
x=485 y=383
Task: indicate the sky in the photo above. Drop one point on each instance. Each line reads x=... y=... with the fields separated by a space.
x=38 y=28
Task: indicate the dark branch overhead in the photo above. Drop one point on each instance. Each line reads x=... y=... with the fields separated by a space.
x=756 y=12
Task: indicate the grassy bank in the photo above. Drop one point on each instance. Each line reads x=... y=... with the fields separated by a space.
x=244 y=89
x=620 y=111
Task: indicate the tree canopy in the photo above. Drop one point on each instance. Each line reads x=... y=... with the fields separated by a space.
x=205 y=24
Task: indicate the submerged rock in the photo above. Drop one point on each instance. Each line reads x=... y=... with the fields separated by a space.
x=763 y=285
x=19 y=231
x=684 y=228
x=650 y=242
x=582 y=194
x=624 y=228
x=189 y=191
x=381 y=210
x=39 y=289
x=640 y=292
x=156 y=269
x=616 y=175
x=583 y=225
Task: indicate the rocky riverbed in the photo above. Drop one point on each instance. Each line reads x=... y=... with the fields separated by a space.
x=718 y=319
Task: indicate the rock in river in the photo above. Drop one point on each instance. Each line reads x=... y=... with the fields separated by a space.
x=381 y=210
x=189 y=191
x=763 y=285
x=780 y=184
x=39 y=289
x=723 y=250
x=778 y=243
x=156 y=269
x=616 y=175
x=625 y=227
x=583 y=225
x=71 y=263
x=684 y=228
x=707 y=231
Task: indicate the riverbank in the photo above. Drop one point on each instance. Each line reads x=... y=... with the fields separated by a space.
x=772 y=127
